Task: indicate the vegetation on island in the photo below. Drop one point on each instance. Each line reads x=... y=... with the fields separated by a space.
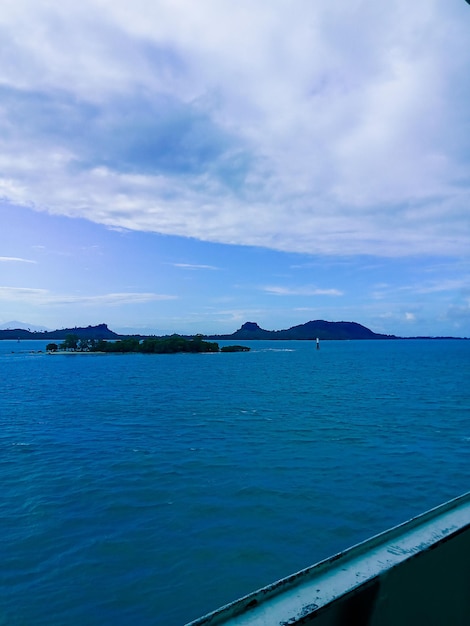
x=157 y=345
x=234 y=349
x=149 y=345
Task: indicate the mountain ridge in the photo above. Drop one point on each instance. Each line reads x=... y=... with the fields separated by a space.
x=313 y=329
x=100 y=331
x=249 y=331
x=15 y=325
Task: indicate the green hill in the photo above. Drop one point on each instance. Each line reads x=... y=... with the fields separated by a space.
x=308 y=331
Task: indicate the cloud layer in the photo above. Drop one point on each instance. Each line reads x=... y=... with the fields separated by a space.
x=44 y=298
x=324 y=127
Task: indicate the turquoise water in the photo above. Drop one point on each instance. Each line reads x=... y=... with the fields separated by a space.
x=150 y=489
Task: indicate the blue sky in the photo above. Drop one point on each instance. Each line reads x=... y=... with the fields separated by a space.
x=172 y=166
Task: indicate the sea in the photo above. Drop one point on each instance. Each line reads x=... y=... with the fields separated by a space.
x=150 y=489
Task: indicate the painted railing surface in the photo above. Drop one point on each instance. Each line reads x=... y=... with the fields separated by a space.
x=416 y=573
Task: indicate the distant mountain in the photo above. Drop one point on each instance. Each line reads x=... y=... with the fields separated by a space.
x=309 y=330
x=101 y=331
x=249 y=331
x=24 y=325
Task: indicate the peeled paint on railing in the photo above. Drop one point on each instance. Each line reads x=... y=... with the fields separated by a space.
x=416 y=573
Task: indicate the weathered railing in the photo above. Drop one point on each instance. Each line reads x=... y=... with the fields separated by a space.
x=415 y=574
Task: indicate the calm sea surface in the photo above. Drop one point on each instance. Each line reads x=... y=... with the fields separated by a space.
x=150 y=489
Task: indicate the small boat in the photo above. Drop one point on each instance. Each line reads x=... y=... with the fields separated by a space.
x=415 y=574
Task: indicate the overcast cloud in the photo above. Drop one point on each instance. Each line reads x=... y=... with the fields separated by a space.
x=327 y=127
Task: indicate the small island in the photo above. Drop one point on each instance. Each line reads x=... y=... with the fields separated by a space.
x=150 y=345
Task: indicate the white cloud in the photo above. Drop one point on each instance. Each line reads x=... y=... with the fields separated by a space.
x=112 y=299
x=459 y=313
x=324 y=127
x=301 y=291
x=14 y=259
x=22 y=294
x=450 y=285
x=458 y=284
x=192 y=266
x=44 y=297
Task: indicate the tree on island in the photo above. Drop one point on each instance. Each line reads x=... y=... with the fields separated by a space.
x=70 y=342
x=176 y=343
x=149 y=345
x=163 y=345
x=131 y=344
x=234 y=349
x=74 y=343
x=86 y=345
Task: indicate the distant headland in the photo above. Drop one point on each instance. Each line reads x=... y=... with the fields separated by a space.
x=310 y=330
x=249 y=331
x=101 y=331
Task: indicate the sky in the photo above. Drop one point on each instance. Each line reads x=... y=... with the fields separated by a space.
x=179 y=166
